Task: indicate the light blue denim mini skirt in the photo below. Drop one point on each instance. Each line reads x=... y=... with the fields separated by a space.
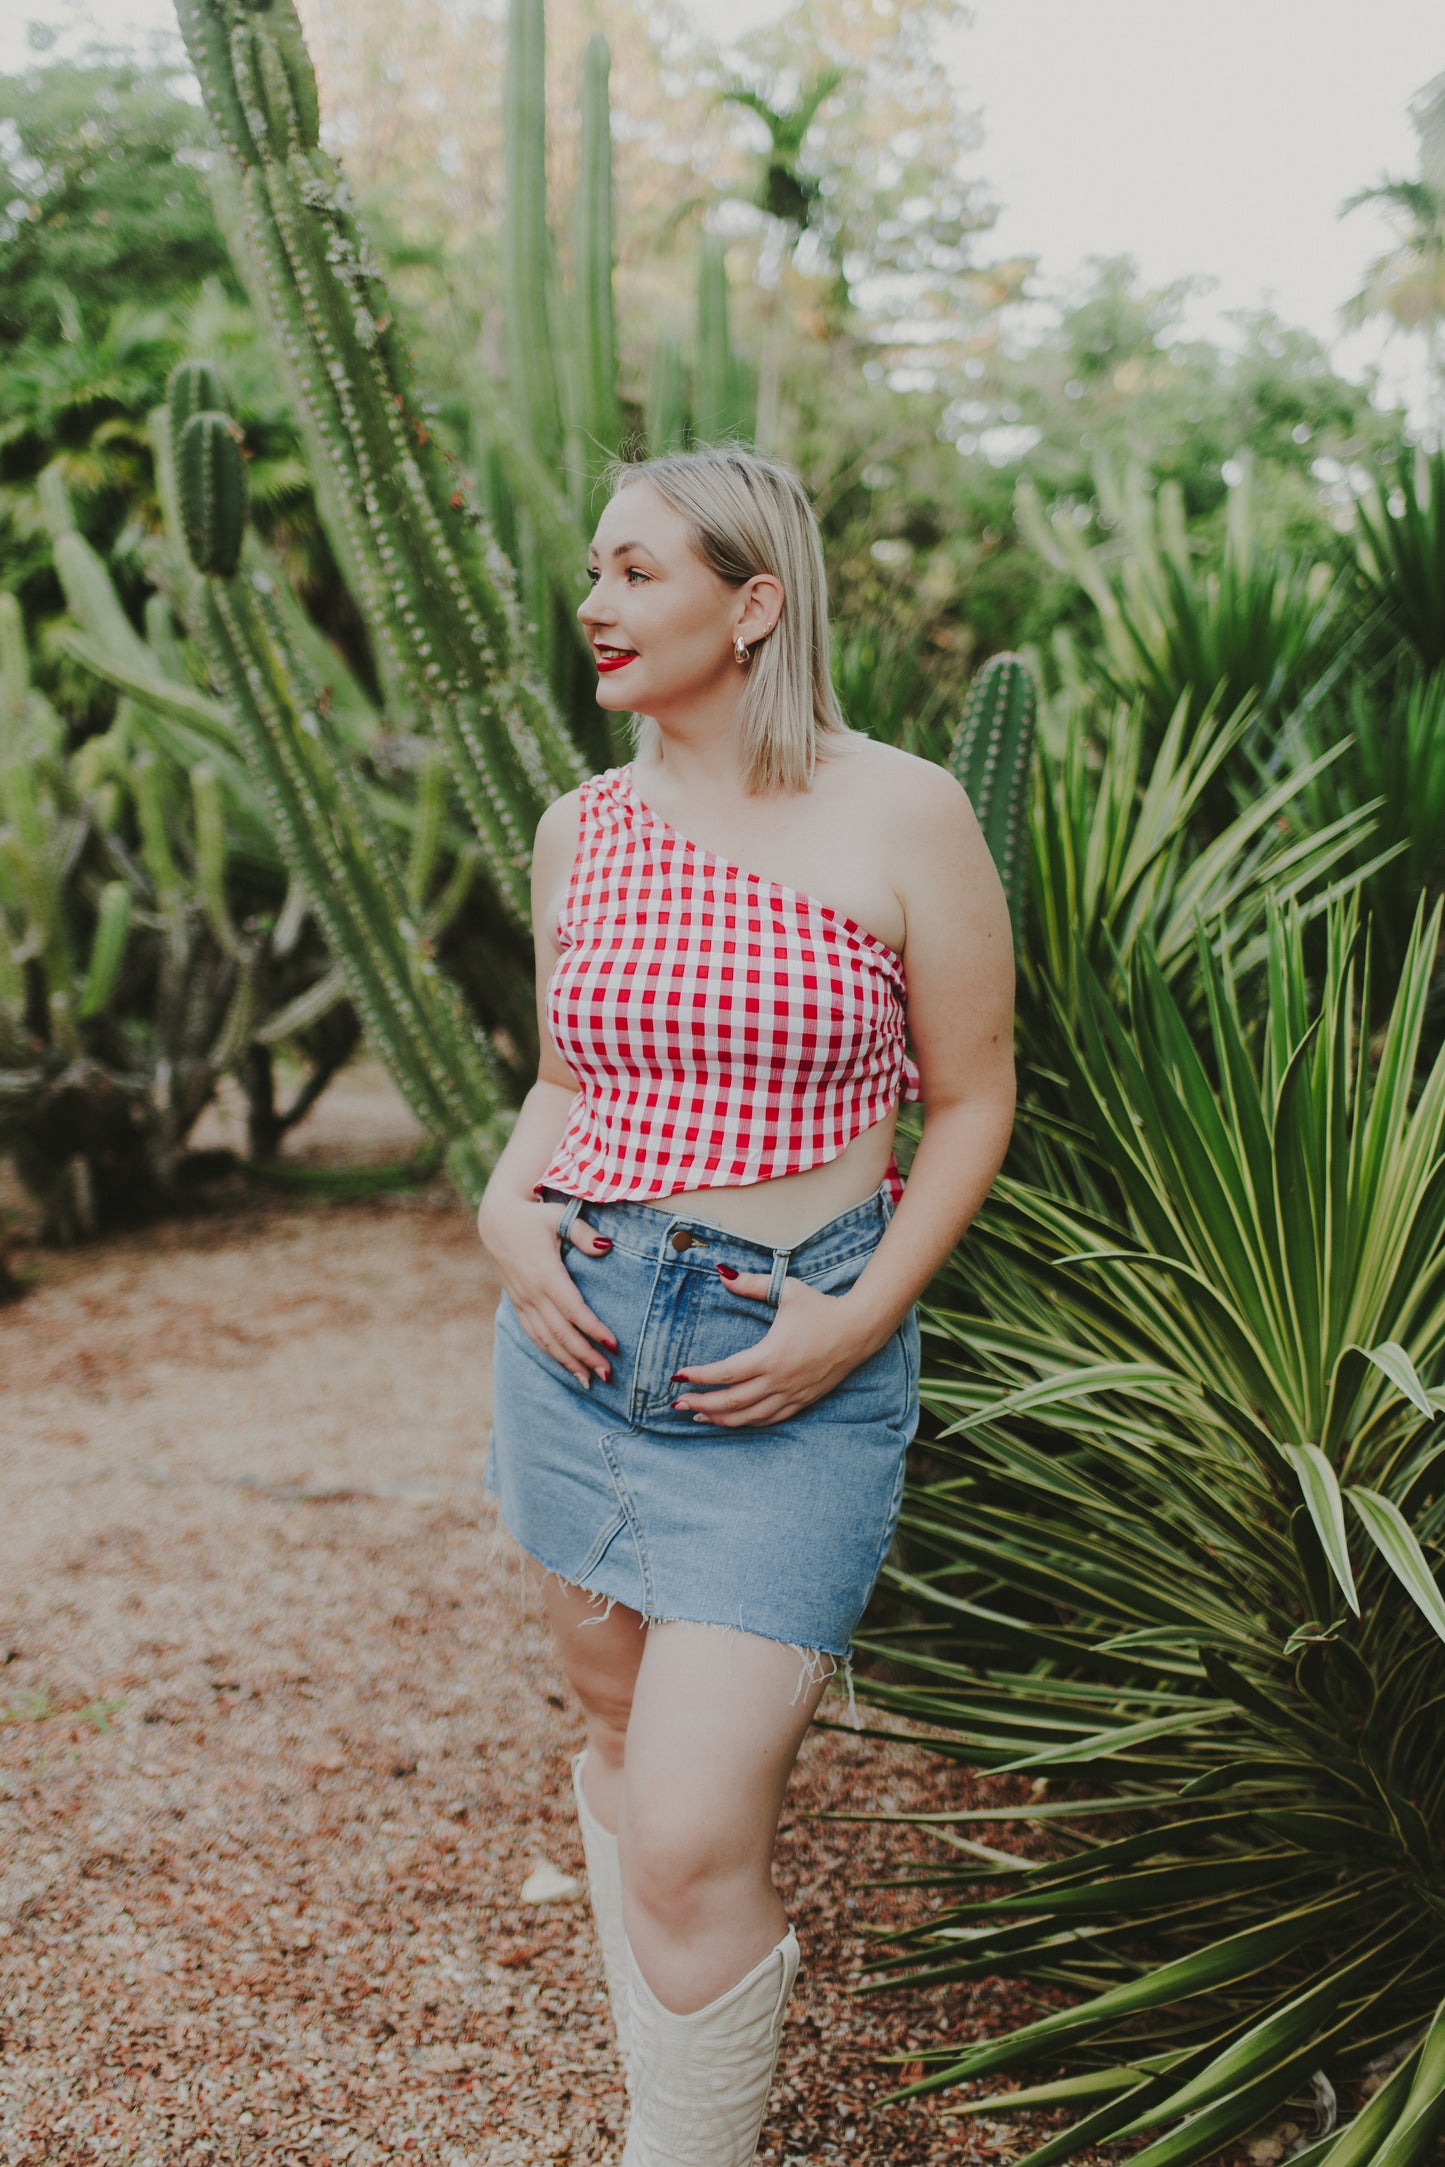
x=780 y=1529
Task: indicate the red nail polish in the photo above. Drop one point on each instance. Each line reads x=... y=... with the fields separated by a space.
x=606 y=1374
x=604 y=1245
x=678 y=1403
x=679 y=1376
x=727 y=1271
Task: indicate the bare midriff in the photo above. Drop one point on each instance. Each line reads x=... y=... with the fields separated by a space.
x=783 y=1210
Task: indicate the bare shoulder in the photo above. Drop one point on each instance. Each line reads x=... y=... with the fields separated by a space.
x=557 y=831
x=915 y=800
x=554 y=847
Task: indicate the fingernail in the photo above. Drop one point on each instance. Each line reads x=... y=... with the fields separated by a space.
x=604 y=1245
x=699 y=1418
x=606 y=1374
x=679 y=1376
x=678 y=1403
x=727 y=1271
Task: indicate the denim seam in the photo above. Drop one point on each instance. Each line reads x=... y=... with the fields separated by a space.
x=603 y=1543
x=624 y=1495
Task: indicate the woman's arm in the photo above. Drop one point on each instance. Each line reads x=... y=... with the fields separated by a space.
x=518 y=1230
x=958 y=960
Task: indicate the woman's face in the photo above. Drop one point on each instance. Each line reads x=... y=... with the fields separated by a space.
x=661 y=622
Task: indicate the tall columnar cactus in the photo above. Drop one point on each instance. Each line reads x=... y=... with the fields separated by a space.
x=563 y=417
x=992 y=756
x=598 y=413
x=726 y=398
x=436 y=592
x=369 y=904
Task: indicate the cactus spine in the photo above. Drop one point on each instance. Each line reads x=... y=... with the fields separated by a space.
x=992 y=756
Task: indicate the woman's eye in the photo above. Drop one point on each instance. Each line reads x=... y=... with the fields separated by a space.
x=593 y=575
x=634 y=573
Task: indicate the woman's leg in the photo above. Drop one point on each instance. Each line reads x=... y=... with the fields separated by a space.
x=716 y=1723
x=601 y=1651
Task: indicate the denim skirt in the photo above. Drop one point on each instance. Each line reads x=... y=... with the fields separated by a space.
x=779 y=1529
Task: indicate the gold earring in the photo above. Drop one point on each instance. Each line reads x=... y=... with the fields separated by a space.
x=740 y=650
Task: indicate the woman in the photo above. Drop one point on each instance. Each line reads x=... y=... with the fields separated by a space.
x=706 y=1356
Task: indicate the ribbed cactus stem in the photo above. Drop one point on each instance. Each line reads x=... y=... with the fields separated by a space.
x=666 y=422
x=107 y=949
x=992 y=757
x=527 y=243
x=595 y=338
x=193 y=387
x=211 y=485
x=437 y=595
x=712 y=405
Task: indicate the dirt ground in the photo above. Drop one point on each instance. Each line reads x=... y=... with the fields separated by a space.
x=281 y=1737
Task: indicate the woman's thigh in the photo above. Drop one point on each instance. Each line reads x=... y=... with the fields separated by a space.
x=601 y=1645
x=717 y=1719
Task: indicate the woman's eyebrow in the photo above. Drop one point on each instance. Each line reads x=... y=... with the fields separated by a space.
x=622 y=549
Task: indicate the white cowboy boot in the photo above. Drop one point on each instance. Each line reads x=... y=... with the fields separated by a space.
x=700 y=2082
x=604 y=1882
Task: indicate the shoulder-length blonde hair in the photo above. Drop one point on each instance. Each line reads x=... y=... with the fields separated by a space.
x=747 y=514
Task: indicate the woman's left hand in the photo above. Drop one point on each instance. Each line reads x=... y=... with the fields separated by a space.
x=807 y=1349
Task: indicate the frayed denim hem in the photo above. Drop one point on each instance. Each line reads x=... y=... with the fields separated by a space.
x=811 y=1661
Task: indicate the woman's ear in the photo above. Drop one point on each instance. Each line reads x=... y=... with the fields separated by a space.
x=762 y=606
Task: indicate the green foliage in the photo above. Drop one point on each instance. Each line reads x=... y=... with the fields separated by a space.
x=1259 y=627
x=1390 y=738
x=1120 y=863
x=103 y=201
x=141 y=954
x=1179 y=1541
x=1400 y=554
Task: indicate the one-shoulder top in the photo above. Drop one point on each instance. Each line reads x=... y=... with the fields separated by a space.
x=725 y=1029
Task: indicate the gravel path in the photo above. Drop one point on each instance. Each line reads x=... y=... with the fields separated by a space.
x=281 y=1738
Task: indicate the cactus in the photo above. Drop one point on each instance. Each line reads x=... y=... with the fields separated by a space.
x=992 y=756
x=726 y=401
x=598 y=415
x=425 y=570
x=130 y=977
x=211 y=483
x=194 y=388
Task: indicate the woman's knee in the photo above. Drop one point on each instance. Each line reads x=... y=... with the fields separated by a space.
x=676 y=1865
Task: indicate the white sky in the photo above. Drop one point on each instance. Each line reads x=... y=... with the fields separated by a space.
x=1218 y=140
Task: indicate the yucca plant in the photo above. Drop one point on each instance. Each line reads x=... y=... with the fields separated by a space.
x=1179 y=1545
x=1391 y=734
x=1260 y=626
x=1116 y=863
x=1400 y=553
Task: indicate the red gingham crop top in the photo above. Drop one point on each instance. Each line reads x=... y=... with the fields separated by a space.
x=725 y=1029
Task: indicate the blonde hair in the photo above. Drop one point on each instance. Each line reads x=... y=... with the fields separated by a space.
x=747 y=514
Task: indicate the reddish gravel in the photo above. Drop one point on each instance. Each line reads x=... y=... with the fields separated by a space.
x=281 y=1738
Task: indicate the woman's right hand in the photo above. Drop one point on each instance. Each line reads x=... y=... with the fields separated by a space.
x=520 y=1235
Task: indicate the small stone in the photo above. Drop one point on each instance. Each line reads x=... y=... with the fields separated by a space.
x=545 y=1885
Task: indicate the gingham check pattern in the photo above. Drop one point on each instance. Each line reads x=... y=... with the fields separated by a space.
x=726 y=1029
